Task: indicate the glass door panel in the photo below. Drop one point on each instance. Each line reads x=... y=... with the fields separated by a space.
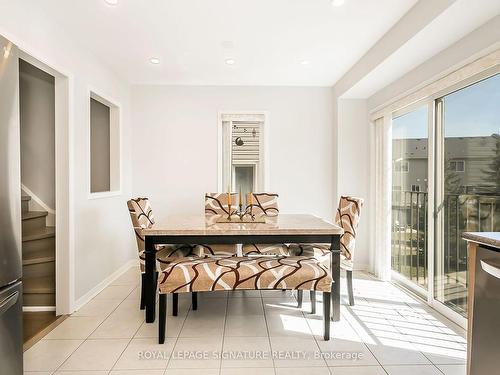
x=410 y=196
x=469 y=171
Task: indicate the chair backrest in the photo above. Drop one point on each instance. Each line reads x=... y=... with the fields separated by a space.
x=142 y=217
x=264 y=204
x=217 y=203
x=348 y=218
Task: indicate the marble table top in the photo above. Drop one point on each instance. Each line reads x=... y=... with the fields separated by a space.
x=485 y=238
x=283 y=224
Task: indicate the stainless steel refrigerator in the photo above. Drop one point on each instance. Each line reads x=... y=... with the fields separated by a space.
x=11 y=314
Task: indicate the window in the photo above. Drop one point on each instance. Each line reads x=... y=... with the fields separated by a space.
x=401 y=166
x=104 y=146
x=457 y=166
x=242 y=166
x=415 y=188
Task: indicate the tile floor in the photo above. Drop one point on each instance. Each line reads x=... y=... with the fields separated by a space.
x=386 y=332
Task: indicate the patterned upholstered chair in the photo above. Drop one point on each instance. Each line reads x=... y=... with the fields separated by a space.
x=243 y=273
x=347 y=217
x=264 y=205
x=142 y=217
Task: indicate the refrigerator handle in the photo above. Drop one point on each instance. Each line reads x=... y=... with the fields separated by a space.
x=491 y=268
x=8 y=302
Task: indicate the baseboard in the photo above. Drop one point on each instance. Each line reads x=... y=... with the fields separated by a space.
x=38 y=308
x=103 y=284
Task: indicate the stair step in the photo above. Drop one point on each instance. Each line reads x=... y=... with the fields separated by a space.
x=39 y=285
x=25 y=203
x=34 y=214
x=33 y=220
x=39 y=233
x=39 y=257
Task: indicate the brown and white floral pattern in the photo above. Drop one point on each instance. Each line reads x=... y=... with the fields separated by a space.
x=244 y=273
x=142 y=217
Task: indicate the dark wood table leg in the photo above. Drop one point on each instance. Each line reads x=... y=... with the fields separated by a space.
x=335 y=269
x=150 y=288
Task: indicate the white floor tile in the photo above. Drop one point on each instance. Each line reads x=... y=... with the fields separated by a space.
x=244 y=371
x=81 y=373
x=412 y=370
x=97 y=307
x=196 y=352
x=203 y=326
x=283 y=324
x=358 y=370
x=184 y=371
x=115 y=292
x=130 y=277
x=394 y=355
x=136 y=372
x=95 y=355
x=453 y=369
x=174 y=325
x=246 y=325
x=247 y=352
x=145 y=354
x=48 y=355
x=124 y=322
x=305 y=352
x=245 y=306
x=338 y=352
x=75 y=328
x=303 y=371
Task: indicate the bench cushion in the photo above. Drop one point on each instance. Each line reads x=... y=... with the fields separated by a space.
x=194 y=274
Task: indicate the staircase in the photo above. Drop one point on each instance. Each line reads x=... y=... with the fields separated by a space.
x=39 y=255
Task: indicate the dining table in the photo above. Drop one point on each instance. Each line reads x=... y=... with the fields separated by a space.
x=201 y=229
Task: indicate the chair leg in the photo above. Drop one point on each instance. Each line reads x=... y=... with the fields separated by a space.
x=312 y=297
x=143 y=291
x=300 y=294
x=194 y=300
x=162 y=318
x=350 y=291
x=326 y=315
x=175 y=304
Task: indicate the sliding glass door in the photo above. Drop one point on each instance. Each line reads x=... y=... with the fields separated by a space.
x=446 y=160
x=468 y=197
x=410 y=196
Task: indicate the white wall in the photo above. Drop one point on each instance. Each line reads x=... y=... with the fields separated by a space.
x=101 y=236
x=37 y=109
x=175 y=144
x=354 y=168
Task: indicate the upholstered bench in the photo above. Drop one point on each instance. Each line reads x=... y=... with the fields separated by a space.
x=194 y=274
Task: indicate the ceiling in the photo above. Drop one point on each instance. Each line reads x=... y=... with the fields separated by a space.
x=268 y=39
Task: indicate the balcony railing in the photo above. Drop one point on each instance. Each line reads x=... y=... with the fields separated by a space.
x=461 y=212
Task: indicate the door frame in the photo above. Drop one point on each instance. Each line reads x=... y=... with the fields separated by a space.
x=64 y=122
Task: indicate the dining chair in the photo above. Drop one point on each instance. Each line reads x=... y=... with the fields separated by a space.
x=264 y=205
x=142 y=217
x=347 y=217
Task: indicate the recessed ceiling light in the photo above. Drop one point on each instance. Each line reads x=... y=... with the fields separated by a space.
x=154 y=60
x=304 y=62
x=230 y=61
x=338 y=3
x=111 y=2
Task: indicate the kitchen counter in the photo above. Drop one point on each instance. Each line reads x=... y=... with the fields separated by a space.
x=484 y=238
x=483 y=250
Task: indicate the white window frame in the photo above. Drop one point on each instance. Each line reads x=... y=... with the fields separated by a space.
x=115 y=152
x=262 y=168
